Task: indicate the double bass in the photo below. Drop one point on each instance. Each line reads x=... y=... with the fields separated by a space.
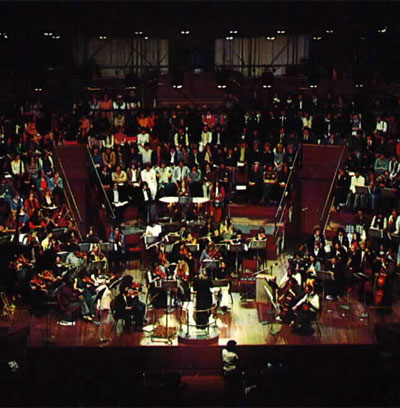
x=380 y=285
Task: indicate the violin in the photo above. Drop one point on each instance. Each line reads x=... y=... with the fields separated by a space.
x=184 y=251
x=88 y=280
x=160 y=272
x=162 y=256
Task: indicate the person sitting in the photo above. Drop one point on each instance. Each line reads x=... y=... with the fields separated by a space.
x=129 y=308
x=306 y=310
x=69 y=299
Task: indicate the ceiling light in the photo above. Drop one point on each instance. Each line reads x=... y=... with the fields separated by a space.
x=271 y=38
x=317 y=38
x=102 y=37
x=280 y=31
x=329 y=31
x=382 y=30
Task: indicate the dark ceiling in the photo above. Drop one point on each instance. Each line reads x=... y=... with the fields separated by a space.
x=166 y=19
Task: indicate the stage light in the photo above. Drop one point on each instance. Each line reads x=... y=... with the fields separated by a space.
x=102 y=37
x=329 y=31
x=270 y=37
x=222 y=79
x=56 y=37
x=131 y=81
x=229 y=38
x=146 y=38
x=177 y=78
x=280 y=31
x=317 y=38
x=47 y=33
x=185 y=32
x=359 y=85
x=233 y=31
x=313 y=86
x=267 y=79
x=4 y=35
x=38 y=89
x=138 y=32
x=382 y=30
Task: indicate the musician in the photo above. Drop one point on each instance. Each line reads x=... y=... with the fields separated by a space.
x=336 y=286
x=306 y=310
x=226 y=227
x=217 y=195
x=182 y=276
x=318 y=251
x=70 y=298
x=91 y=236
x=209 y=259
x=316 y=236
x=342 y=239
x=119 y=248
x=155 y=276
x=130 y=309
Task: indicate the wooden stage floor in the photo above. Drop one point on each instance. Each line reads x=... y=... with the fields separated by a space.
x=244 y=322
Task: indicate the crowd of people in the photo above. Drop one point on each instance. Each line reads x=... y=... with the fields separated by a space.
x=143 y=156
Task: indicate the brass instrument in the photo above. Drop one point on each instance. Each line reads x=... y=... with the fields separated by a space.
x=8 y=310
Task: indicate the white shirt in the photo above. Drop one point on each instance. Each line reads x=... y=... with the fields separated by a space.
x=229 y=360
x=356 y=181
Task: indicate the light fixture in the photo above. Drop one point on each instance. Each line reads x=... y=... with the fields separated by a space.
x=47 y=33
x=270 y=37
x=229 y=38
x=382 y=30
x=102 y=37
x=185 y=32
x=233 y=31
x=267 y=79
x=146 y=38
x=56 y=37
x=38 y=89
x=313 y=86
x=4 y=35
x=317 y=38
x=138 y=32
x=280 y=31
x=329 y=31
x=358 y=85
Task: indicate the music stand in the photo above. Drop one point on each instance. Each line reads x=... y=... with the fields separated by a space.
x=236 y=248
x=257 y=245
x=97 y=298
x=193 y=247
x=96 y=265
x=167 y=285
x=209 y=262
x=150 y=239
x=324 y=276
x=375 y=233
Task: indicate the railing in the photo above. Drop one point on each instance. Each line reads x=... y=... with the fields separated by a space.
x=282 y=207
x=69 y=195
x=94 y=170
x=323 y=221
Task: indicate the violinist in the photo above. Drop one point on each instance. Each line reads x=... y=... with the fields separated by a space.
x=155 y=277
x=186 y=256
x=129 y=308
x=97 y=256
x=182 y=276
x=306 y=310
x=226 y=228
x=210 y=258
x=84 y=284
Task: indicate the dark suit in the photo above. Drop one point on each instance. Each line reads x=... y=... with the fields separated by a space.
x=134 y=314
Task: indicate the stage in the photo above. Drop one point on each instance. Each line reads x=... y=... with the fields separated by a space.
x=341 y=323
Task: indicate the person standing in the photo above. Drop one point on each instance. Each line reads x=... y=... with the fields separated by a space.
x=202 y=286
